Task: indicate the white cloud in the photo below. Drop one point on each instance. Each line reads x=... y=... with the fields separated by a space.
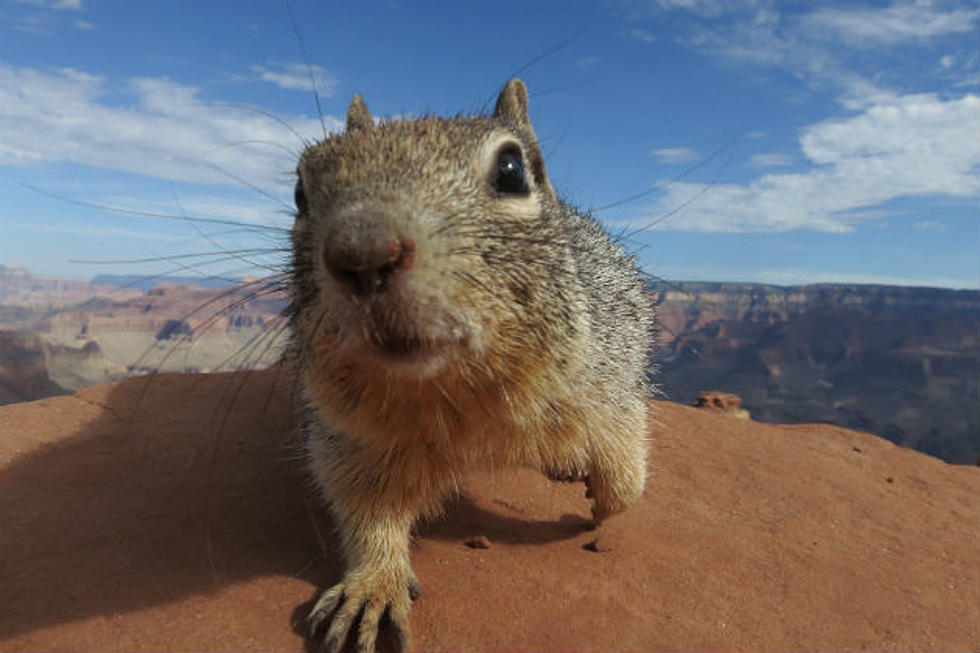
x=17 y=156
x=33 y=24
x=74 y=5
x=931 y=225
x=258 y=213
x=809 y=47
x=700 y=7
x=903 y=21
x=69 y=229
x=84 y=25
x=799 y=277
x=166 y=130
x=641 y=35
x=296 y=77
x=190 y=204
x=770 y=160
x=803 y=276
x=947 y=61
x=41 y=16
x=912 y=145
x=766 y=39
x=676 y=154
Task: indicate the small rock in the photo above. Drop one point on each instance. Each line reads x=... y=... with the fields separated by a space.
x=889 y=480
x=598 y=545
x=477 y=542
x=722 y=402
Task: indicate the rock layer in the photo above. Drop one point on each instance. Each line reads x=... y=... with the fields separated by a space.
x=897 y=361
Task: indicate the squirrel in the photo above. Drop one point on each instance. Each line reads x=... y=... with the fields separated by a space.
x=449 y=312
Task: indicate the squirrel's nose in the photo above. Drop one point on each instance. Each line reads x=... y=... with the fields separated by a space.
x=368 y=267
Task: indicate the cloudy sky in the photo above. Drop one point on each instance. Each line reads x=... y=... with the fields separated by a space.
x=756 y=141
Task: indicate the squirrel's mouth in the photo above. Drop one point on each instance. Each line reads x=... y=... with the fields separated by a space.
x=397 y=344
x=405 y=351
x=407 y=341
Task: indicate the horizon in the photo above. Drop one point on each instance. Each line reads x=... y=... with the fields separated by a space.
x=218 y=283
x=772 y=143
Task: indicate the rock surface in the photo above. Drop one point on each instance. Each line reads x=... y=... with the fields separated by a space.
x=171 y=513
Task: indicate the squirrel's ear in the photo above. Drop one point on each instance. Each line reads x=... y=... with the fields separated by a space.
x=358 y=116
x=512 y=104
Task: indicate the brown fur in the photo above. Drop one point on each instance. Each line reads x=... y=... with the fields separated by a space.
x=485 y=328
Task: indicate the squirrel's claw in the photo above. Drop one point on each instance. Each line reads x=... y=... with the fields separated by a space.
x=567 y=474
x=360 y=615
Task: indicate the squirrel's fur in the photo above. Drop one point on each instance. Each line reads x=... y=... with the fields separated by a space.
x=440 y=325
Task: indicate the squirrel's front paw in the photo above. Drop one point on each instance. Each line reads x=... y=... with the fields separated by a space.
x=368 y=609
x=613 y=494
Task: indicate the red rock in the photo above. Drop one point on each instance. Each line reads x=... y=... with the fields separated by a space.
x=722 y=402
x=598 y=545
x=477 y=542
x=177 y=517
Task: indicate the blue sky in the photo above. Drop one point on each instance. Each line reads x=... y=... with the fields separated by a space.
x=790 y=142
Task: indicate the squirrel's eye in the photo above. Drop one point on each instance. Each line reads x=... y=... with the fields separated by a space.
x=509 y=176
x=299 y=196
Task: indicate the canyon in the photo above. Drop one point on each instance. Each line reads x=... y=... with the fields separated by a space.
x=900 y=362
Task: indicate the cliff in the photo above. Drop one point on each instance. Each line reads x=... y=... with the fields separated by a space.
x=18 y=287
x=897 y=361
x=23 y=369
x=31 y=368
x=171 y=513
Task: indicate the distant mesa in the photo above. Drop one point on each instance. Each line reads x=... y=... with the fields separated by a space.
x=173 y=289
x=175 y=329
x=13 y=273
x=148 y=282
x=175 y=325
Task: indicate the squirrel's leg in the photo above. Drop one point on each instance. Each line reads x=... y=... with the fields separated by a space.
x=375 y=509
x=618 y=468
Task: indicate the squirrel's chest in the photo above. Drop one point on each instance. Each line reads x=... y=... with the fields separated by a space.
x=466 y=424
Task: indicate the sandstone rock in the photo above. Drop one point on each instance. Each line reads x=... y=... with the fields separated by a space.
x=176 y=516
x=477 y=542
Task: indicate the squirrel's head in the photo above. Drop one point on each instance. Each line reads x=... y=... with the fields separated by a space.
x=422 y=241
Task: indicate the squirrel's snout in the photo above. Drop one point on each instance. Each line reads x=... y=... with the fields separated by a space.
x=368 y=266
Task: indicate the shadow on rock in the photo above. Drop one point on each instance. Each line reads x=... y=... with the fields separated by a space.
x=188 y=495
x=176 y=485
